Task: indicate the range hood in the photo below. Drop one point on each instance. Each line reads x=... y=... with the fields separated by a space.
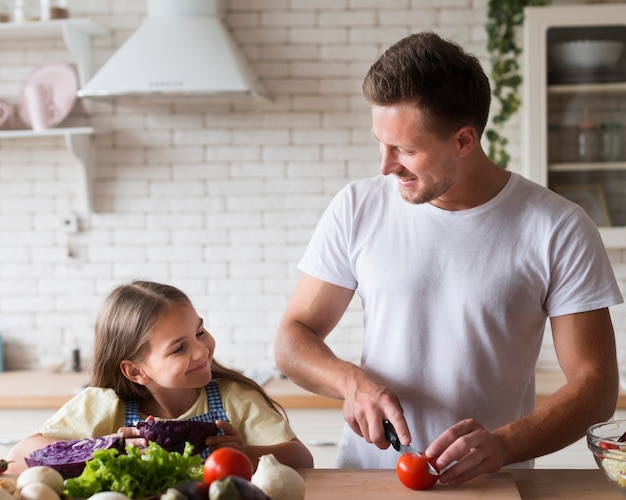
x=181 y=49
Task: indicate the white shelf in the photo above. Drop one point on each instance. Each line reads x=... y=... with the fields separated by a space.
x=588 y=88
x=76 y=33
x=77 y=141
x=50 y=132
x=586 y=167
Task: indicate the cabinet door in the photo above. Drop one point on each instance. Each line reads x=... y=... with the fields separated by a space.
x=575 y=108
x=320 y=430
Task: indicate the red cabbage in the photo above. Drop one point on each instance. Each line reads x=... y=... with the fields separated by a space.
x=172 y=435
x=69 y=457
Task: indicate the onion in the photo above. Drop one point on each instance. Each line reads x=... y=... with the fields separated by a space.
x=278 y=481
x=38 y=491
x=41 y=474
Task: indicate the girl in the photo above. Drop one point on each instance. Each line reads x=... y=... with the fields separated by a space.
x=153 y=357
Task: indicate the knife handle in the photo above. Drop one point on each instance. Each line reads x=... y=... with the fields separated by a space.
x=390 y=434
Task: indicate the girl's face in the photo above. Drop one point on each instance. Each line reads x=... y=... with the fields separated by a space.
x=179 y=352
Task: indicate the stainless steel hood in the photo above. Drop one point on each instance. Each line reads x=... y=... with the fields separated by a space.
x=181 y=49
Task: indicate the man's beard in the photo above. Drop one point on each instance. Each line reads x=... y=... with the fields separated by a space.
x=430 y=193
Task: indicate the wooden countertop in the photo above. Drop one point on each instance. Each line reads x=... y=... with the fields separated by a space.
x=518 y=484
x=39 y=389
x=289 y=395
x=514 y=484
x=44 y=390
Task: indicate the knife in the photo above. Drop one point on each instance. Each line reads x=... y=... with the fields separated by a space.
x=392 y=437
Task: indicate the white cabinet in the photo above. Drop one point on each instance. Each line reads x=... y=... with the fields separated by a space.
x=320 y=430
x=17 y=424
x=77 y=35
x=575 y=108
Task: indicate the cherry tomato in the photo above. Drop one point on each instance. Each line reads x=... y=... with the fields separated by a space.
x=414 y=473
x=226 y=462
x=608 y=446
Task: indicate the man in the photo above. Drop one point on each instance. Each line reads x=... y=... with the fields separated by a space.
x=458 y=264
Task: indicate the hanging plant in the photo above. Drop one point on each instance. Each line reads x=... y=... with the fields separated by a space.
x=504 y=18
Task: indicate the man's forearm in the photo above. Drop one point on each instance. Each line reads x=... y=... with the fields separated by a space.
x=309 y=362
x=561 y=419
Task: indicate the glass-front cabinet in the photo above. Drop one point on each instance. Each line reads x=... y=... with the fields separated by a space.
x=575 y=108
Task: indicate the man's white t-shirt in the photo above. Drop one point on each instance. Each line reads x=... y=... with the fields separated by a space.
x=455 y=303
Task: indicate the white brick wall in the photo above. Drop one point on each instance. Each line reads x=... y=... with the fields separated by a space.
x=217 y=198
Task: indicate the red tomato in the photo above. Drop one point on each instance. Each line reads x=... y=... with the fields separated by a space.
x=608 y=446
x=226 y=462
x=414 y=473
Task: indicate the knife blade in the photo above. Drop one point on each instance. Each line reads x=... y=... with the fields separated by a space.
x=392 y=437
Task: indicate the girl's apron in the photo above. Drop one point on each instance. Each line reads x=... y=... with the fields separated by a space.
x=216 y=411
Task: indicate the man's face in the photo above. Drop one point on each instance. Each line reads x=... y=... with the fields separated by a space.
x=421 y=161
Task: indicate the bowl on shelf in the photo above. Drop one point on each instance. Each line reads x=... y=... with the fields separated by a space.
x=585 y=55
x=603 y=439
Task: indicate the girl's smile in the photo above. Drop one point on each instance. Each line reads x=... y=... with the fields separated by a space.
x=179 y=352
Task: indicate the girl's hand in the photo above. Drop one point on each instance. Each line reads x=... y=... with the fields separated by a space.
x=230 y=438
x=132 y=435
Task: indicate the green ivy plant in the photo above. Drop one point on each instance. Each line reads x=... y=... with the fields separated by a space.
x=504 y=19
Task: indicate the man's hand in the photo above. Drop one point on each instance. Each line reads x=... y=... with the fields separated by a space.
x=465 y=451
x=366 y=404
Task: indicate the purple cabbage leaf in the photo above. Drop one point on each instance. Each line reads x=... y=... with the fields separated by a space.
x=69 y=457
x=172 y=435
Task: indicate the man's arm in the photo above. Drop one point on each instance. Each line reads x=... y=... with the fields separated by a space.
x=301 y=354
x=585 y=348
x=314 y=309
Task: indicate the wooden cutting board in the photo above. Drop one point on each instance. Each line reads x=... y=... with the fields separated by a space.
x=333 y=484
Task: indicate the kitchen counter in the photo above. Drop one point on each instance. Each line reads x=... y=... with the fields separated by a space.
x=526 y=484
x=289 y=395
x=39 y=390
x=518 y=484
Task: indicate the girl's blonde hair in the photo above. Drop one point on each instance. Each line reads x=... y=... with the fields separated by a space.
x=123 y=328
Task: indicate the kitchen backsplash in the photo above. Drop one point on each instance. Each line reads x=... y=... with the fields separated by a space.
x=218 y=198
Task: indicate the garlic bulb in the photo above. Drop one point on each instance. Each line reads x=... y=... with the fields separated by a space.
x=38 y=491
x=108 y=495
x=41 y=474
x=278 y=481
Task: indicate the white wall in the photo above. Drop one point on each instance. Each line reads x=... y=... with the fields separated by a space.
x=216 y=198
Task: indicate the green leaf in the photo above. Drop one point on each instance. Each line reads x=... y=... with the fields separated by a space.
x=504 y=17
x=136 y=474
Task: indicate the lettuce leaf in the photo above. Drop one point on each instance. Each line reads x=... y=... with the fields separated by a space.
x=139 y=473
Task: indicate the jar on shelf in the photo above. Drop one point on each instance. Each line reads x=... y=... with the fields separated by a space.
x=58 y=9
x=588 y=146
x=53 y=9
x=26 y=10
x=554 y=143
x=611 y=141
x=5 y=11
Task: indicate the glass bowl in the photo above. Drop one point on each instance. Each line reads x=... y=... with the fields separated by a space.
x=608 y=452
x=586 y=55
